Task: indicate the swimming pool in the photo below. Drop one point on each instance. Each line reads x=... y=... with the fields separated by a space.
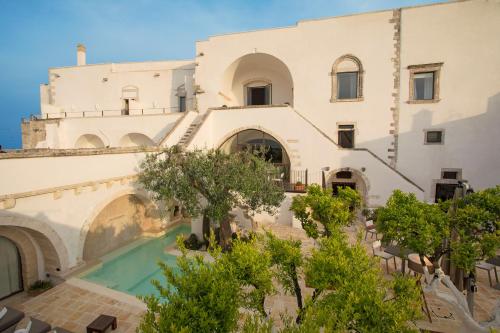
x=131 y=271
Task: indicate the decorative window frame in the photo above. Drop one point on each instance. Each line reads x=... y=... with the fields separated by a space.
x=434 y=130
x=457 y=170
x=334 y=72
x=425 y=68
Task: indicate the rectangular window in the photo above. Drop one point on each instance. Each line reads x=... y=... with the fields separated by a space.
x=347 y=85
x=346 y=136
x=423 y=86
x=182 y=103
x=433 y=137
x=450 y=175
x=259 y=95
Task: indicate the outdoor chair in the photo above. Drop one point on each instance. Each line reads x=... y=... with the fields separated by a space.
x=379 y=252
x=488 y=268
x=370 y=229
x=9 y=318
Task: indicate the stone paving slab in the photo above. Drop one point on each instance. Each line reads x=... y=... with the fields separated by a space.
x=73 y=308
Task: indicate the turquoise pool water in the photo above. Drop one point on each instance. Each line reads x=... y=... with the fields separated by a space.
x=132 y=271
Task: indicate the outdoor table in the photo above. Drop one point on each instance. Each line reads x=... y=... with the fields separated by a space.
x=101 y=324
x=399 y=252
x=495 y=261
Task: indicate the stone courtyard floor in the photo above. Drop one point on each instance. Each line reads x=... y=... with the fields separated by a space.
x=73 y=304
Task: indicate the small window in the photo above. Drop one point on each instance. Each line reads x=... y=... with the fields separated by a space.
x=434 y=137
x=260 y=95
x=347 y=84
x=423 y=85
x=450 y=175
x=346 y=136
x=182 y=103
x=344 y=175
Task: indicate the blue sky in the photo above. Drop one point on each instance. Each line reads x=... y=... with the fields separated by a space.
x=36 y=35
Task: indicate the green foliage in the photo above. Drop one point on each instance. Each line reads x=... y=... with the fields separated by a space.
x=250 y=263
x=199 y=297
x=41 y=285
x=476 y=222
x=356 y=297
x=192 y=243
x=287 y=258
x=468 y=228
x=224 y=180
x=414 y=224
x=332 y=212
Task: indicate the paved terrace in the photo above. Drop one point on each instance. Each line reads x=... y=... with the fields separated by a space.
x=74 y=304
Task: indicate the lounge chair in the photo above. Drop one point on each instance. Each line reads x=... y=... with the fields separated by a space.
x=10 y=319
x=35 y=326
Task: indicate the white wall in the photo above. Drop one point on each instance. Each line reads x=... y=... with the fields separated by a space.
x=99 y=87
x=305 y=145
x=465 y=37
x=110 y=130
x=309 y=51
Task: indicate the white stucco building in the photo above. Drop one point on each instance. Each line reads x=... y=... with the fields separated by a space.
x=399 y=99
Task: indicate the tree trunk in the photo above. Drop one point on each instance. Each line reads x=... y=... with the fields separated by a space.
x=225 y=232
x=206 y=227
x=298 y=295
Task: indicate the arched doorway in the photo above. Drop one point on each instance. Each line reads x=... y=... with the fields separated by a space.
x=348 y=177
x=261 y=142
x=11 y=280
x=257 y=79
x=121 y=221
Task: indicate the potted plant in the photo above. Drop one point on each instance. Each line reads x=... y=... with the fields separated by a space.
x=299 y=186
x=39 y=287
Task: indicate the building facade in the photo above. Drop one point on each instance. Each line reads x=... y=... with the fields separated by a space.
x=400 y=99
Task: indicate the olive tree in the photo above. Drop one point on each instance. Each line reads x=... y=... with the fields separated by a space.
x=212 y=183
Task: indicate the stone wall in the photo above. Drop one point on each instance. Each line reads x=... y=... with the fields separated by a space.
x=120 y=222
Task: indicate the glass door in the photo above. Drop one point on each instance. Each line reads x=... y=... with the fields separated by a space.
x=10 y=268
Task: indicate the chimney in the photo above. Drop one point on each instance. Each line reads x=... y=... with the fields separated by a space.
x=81 y=53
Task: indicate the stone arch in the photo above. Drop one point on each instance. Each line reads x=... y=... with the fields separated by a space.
x=120 y=219
x=256 y=67
x=52 y=245
x=42 y=250
x=347 y=63
x=136 y=140
x=357 y=177
x=27 y=253
x=89 y=141
x=262 y=129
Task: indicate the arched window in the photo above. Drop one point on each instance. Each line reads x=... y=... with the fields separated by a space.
x=347 y=79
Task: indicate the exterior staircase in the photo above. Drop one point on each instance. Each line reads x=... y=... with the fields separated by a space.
x=192 y=130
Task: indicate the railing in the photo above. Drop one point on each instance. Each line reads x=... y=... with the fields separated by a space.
x=104 y=113
x=293 y=181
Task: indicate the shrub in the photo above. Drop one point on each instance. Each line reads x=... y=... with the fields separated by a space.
x=192 y=243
